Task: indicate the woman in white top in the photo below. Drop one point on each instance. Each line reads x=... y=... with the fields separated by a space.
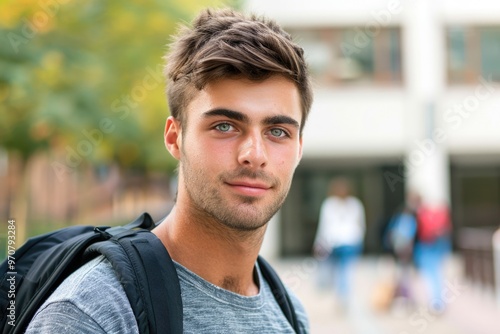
x=340 y=233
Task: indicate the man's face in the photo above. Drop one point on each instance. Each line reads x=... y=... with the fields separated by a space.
x=238 y=150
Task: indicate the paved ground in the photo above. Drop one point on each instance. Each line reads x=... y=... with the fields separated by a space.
x=469 y=309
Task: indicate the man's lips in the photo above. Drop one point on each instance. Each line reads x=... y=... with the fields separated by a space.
x=249 y=188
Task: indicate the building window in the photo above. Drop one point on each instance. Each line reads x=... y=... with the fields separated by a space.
x=475 y=194
x=473 y=52
x=352 y=55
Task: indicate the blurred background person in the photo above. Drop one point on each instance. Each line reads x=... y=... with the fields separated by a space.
x=399 y=238
x=340 y=234
x=432 y=247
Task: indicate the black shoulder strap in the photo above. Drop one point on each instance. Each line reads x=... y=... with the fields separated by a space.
x=144 y=221
x=279 y=292
x=149 y=279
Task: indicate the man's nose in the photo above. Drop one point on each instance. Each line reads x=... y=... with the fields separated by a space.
x=253 y=151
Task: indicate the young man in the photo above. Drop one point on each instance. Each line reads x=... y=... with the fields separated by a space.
x=239 y=94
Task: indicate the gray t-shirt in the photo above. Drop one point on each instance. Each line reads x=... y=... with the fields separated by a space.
x=92 y=300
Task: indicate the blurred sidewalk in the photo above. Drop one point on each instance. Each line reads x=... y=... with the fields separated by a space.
x=469 y=310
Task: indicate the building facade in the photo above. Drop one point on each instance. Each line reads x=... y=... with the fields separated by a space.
x=407 y=97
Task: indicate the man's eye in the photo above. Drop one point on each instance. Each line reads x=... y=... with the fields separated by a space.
x=224 y=127
x=277 y=132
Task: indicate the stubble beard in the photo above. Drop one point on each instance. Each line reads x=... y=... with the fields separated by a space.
x=237 y=212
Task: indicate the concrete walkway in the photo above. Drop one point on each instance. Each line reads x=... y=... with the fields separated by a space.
x=469 y=310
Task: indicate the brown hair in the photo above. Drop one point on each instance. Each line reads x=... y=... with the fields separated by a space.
x=224 y=43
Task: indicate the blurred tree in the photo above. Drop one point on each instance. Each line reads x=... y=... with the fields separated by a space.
x=70 y=70
x=84 y=80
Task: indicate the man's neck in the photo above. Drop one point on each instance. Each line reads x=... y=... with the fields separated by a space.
x=220 y=255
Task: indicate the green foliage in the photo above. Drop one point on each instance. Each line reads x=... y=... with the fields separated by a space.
x=85 y=77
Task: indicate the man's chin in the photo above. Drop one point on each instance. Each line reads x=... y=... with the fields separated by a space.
x=246 y=220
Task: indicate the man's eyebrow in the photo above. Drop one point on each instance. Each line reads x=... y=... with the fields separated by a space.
x=236 y=115
x=239 y=116
x=281 y=119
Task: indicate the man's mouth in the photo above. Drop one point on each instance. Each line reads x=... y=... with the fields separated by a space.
x=249 y=188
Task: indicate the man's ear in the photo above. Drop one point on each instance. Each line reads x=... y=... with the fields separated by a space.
x=172 y=137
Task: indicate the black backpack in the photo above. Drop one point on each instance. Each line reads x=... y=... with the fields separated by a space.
x=43 y=262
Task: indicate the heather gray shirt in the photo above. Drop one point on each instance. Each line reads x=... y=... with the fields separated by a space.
x=92 y=300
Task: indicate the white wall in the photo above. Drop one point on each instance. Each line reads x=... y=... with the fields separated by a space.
x=357 y=122
x=470 y=118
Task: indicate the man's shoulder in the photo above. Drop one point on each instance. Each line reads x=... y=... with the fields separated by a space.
x=88 y=282
x=94 y=294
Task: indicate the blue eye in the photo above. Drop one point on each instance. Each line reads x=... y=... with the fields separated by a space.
x=277 y=132
x=224 y=127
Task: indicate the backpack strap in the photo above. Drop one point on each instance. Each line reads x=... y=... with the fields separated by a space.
x=149 y=278
x=279 y=292
x=144 y=221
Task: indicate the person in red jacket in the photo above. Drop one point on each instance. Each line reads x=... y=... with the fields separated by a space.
x=431 y=249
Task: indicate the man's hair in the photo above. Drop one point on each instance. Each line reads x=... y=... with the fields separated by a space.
x=226 y=44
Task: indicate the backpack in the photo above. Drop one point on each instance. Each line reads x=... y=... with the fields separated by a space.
x=44 y=262
x=433 y=223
